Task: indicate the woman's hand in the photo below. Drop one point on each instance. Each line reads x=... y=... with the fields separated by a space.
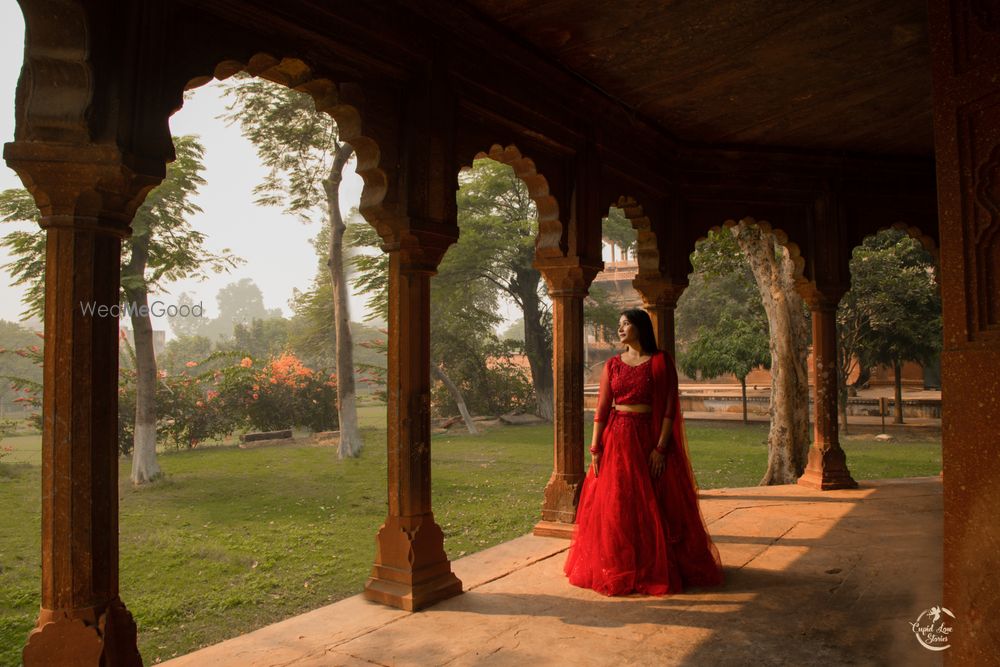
x=656 y=461
x=595 y=459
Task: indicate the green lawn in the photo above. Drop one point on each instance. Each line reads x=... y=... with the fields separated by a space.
x=234 y=539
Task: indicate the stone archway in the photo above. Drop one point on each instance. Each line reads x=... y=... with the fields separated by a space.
x=567 y=279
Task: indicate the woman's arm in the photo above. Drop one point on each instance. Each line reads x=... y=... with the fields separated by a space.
x=657 y=457
x=601 y=415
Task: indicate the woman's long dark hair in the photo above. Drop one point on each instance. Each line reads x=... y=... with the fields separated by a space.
x=640 y=320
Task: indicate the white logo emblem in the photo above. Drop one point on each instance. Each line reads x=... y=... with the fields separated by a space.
x=932 y=629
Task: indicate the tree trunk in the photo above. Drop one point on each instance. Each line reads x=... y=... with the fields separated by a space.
x=537 y=344
x=743 y=386
x=144 y=465
x=456 y=394
x=788 y=439
x=842 y=406
x=897 y=369
x=347 y=410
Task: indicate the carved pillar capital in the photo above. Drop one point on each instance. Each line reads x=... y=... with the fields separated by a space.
x=84 y=187
x=420 y=250
x=822 y=297
x=659 y=298
x=567 y=276
x=659 y=290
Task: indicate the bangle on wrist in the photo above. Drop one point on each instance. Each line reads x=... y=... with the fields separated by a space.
x=595 y=450
x=661 y=449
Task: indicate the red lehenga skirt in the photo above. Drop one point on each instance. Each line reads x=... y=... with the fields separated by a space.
x=635 y=534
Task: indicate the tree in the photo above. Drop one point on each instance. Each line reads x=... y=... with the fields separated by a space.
x=238 y=303
x=163 y=248
x=601 y=314
x=617 y=230
x=892 y=313
x=774 y=273
x=15 y=365
x=179 y=351
x=721 y=323
x=746 y=266
x=306 y=159
x=496 y=249
x=734 y=346
x=467 y=357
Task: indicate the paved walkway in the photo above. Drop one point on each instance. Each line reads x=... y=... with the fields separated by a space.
x=813 y=578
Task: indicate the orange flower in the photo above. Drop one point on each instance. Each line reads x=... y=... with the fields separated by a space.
x=191 y=364
x=246 y=362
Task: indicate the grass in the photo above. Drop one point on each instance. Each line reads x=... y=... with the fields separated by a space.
x=234 y=539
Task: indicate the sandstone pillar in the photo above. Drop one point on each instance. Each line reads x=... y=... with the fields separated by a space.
x=659 y=299
x=826 y=467
x=87 y=199
x=567 y=282
x=965 y=61
x=411 y=569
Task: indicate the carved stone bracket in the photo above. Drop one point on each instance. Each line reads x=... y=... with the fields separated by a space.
x=567 y=276
x=77 y=186
x=659 y=291
x=824 y=297
x=659 y=298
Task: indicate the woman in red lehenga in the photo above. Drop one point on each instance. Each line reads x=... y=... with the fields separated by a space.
x=639 y=528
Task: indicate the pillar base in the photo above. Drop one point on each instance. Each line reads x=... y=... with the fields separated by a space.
x=554 y=529
x=826 y=469
x=562 y=494
x=86 y=637
x=411 y=597
x=411 y=570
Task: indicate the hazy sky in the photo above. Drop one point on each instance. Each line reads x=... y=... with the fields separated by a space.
x=276 y=247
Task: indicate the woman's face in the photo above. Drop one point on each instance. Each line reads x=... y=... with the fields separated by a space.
x=627 y=333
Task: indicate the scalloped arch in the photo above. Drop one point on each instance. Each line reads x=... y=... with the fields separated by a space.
x=794 y=252
x=297 y=75
x=926 y=242
x=549 y=225
x=647 y=251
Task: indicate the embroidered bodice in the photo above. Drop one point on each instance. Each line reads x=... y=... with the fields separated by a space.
x=631 y=385
x=622 y=384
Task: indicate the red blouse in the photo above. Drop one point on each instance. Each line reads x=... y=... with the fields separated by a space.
x=622 y=384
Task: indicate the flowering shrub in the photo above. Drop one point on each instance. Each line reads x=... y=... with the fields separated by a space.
x=6 y=426
x=213 y=398
x=189 y=412
x=30 y=391
x=281 y=394
x=126 y=410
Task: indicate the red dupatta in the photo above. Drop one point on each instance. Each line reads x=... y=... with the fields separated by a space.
x=676 y=489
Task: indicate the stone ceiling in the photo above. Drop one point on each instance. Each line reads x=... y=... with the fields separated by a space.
x=830 y=75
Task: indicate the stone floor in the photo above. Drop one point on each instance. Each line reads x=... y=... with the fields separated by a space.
x=832 y=578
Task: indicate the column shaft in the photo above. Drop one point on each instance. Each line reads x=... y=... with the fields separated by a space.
x=411 y=569
x=563 y=489
x=82 y=620
x=826 y=467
